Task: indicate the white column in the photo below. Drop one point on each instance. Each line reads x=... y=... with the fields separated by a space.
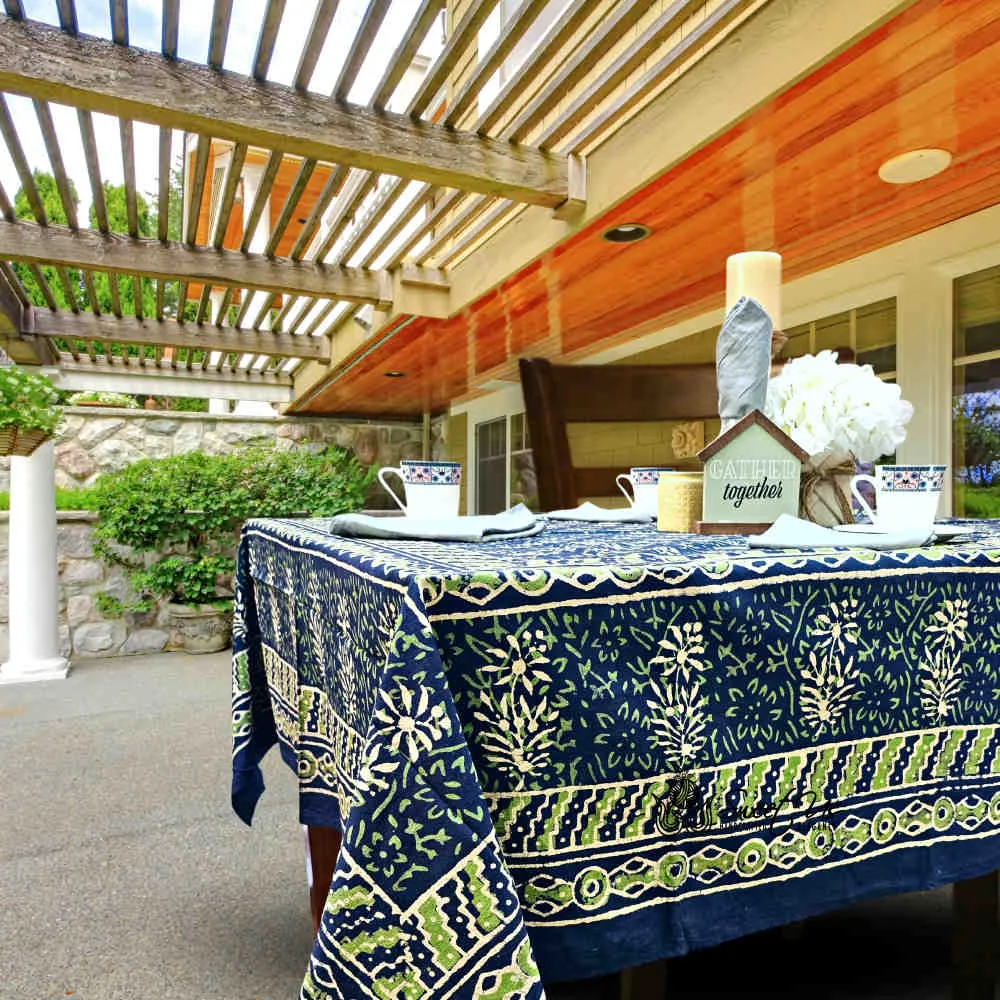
x=34 y=572
x=924 y=367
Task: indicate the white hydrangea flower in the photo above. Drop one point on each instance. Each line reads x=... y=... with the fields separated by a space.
x=835 y=411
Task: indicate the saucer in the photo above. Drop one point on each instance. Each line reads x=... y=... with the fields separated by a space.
x=942 y=532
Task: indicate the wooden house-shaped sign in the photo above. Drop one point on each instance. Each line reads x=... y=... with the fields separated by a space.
x=752 y=474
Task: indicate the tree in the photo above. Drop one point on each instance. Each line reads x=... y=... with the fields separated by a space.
x=48 y=193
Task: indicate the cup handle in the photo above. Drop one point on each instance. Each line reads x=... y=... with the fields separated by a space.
x=388 y=488
x=630 y=493
x=862 y=478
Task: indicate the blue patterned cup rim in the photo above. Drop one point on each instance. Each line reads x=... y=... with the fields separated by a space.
x=432 y=464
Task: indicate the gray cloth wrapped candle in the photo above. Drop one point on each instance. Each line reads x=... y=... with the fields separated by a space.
x=743 y=360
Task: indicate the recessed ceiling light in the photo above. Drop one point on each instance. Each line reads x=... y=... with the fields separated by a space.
x=627 y=232
x=916 y=165
x=394 y=374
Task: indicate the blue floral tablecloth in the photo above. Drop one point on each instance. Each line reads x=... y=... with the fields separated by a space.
x=559 y=756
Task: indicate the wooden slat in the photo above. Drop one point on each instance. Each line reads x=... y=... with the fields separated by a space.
x=88 y=284
x=268 y=35
x=319 y=319
x=204 y=304
x=393 y=190
x=455 y=226
x=534 y=66
x=597 y=92
x=222 y=12
x=401 y=59
x=326 y=196
x=24 y=175
x=171 y=24
x=10 y=284
x=314 y=42
x=119 y=22
x=446 y=205
x=510 y=34
x=261 y=202
x=6 y=208
x=67 y=287
x=149 y=332
x=227 y=300
x=163 y=200
x=51 y=141
x=371 y=21
x=349 y=205
x=488 y=221
x=43 y=286
x=463 y=36
x=421 y=200
x=42 y=62
x=300 y=319
x=650 y=81
x=290 y=302
x=204 y=148
x=93 y=168
x=305 y=172
x=67 y=16
x=234 y=172
x=13 y=8
x=608 y=33
x=128 y=170
x=128 y=372
x=264 y=312
x=151 y=258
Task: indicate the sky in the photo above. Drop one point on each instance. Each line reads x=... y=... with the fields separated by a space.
x=145 y=18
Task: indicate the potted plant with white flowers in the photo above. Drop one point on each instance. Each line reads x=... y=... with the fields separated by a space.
x=841 y=414
x=29 y=410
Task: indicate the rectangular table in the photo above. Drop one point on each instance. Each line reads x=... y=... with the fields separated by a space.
x=560 y=756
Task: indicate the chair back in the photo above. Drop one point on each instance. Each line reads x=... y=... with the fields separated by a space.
x=556 y=396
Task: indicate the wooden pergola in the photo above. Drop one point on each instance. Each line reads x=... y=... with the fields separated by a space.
x=363 y=205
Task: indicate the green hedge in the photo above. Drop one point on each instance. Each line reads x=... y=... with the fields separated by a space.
x=81 y=499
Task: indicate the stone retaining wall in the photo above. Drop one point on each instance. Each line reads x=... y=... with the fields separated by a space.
x=91 y=441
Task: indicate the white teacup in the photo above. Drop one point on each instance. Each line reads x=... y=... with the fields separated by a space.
x=643 y=483
x=431 y=489
x=905 y=495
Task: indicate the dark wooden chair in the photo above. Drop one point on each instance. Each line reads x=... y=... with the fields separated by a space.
x=558 y=395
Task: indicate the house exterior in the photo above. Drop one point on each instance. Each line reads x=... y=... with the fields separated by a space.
x=907 y=275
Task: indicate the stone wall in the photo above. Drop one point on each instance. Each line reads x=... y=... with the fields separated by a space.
x=91 y=441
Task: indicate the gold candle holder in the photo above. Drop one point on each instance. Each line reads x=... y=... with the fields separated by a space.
x=679 y=500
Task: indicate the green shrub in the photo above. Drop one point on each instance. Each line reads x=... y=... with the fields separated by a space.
x=66 y=499
x=978 y=501
x=188 y=510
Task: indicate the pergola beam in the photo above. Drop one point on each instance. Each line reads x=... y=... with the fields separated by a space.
x=96 y=251
x=161 y=333
x=42 y=62
x=132 y=379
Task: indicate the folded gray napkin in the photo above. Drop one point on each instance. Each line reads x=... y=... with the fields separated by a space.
x=517 y=522
x=743 y=360
x=794 y=533
x=588 y=511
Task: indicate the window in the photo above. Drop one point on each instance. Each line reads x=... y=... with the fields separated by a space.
x=976 y=395
x=491 y=466
x=869 y=331
x=505 y=470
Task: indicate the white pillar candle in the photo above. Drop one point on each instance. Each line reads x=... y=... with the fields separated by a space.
x=757 y=275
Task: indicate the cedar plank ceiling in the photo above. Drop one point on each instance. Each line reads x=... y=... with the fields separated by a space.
x=799 y=176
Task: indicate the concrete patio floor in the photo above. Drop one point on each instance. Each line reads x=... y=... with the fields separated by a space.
x=124 y=873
